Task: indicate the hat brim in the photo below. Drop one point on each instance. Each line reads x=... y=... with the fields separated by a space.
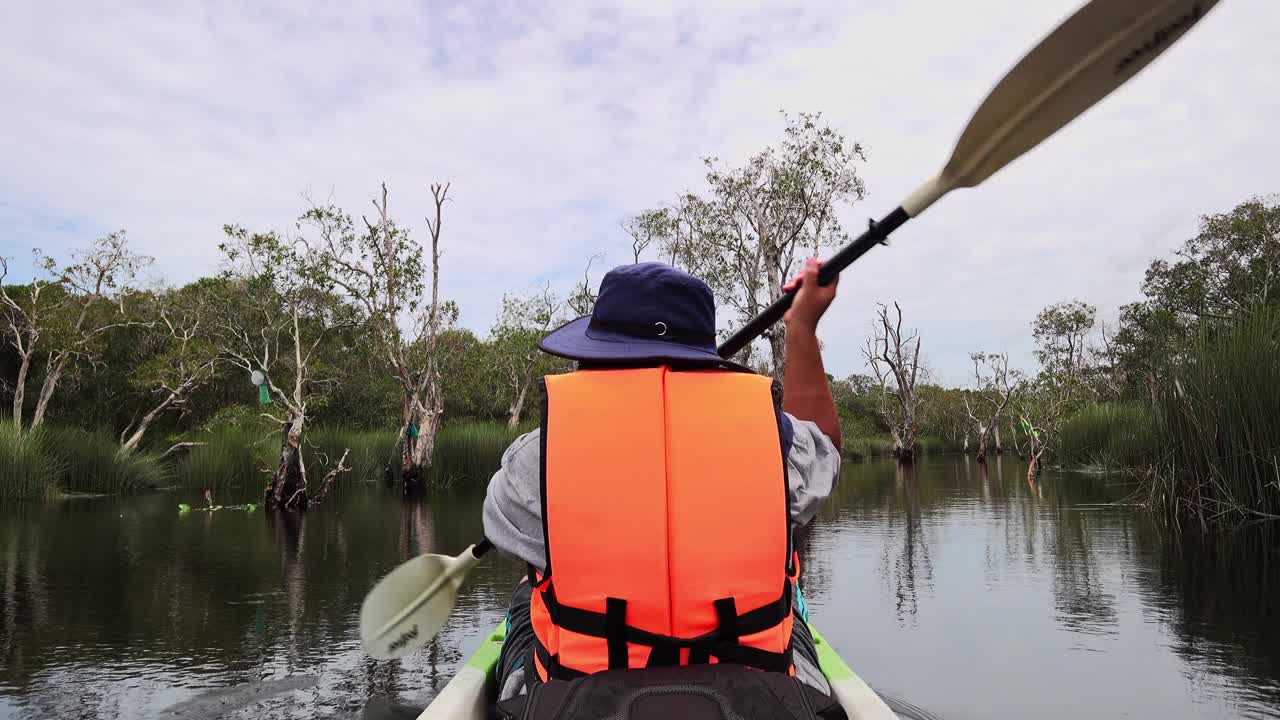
x=575 y=341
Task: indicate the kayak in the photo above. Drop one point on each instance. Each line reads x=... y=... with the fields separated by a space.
x=473 y=689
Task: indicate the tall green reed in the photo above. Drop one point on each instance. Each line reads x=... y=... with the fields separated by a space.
x=1221 y=411
x=470 y=451
x=29 y=467
x=1109 y=436
x=49 y=460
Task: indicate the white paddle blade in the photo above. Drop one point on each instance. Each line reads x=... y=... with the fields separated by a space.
x=410 y=605
x=1093 y=52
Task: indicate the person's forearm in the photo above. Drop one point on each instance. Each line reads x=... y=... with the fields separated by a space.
x=806 y=394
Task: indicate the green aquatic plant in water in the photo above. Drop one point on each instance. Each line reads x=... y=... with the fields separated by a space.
x=184 y=508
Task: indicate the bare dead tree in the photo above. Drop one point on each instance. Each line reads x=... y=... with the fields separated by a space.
x=383 y=272
x=894 y=356
x=186 y=360
x=582 y=299
x=994 y=386
x=427 y=401
x=326 y=484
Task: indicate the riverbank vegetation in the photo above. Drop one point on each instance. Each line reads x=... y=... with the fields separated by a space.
x=332 y=340
x=1181 y=392
x=53 y=461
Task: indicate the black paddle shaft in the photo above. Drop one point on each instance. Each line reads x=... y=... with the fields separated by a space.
x=876 y=234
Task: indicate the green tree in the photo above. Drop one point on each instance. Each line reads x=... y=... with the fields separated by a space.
x=467 y=367
x=747 y=234
x=994 y=386
x=66 y=312
x=1061 y=333
x=1067 y=366
x=517 y=361
x=857 y=403
x=276 y=316
x=1231 y=266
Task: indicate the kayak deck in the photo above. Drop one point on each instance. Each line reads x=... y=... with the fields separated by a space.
x=474 y=687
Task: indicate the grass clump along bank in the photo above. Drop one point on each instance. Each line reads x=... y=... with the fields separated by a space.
x=1109 y=436
x=28 y=465
x=49 y=461
x=1207 y=446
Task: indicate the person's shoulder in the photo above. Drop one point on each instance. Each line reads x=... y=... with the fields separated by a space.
x=522 y=448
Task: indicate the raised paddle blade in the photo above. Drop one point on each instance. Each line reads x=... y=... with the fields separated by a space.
x=410 y=605
x=1093 y=52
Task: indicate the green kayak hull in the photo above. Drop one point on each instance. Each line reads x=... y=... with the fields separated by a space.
x=473 y=688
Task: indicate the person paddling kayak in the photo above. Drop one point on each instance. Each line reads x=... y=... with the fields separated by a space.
x=655 y=504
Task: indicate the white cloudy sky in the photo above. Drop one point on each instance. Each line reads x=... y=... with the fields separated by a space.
x=555 y=123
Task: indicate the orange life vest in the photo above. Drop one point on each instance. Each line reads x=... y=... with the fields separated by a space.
x=666 y=519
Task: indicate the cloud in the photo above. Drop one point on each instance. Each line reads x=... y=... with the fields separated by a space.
x=555 y=122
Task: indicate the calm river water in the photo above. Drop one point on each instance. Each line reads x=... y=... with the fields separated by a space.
x=964 y=591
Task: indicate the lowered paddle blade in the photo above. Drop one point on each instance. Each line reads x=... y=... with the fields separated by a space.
x=1093 y=52
x=410 y=605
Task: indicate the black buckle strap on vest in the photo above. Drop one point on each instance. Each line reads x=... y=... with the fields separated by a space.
x=595 y=624
x=615 y=632
x=754 y=657
x=700 y=654
x=721 y=643
x=727 y=632
x=664 y=654
x=551 y=663
x=727 y=617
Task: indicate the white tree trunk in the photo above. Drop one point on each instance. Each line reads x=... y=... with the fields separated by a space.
x=131 y=444
x=420 y=452
x=777 y=335
x=425 y=411
x=984 y=440
x=517 y=406
x=47 y=389
x=20 y=390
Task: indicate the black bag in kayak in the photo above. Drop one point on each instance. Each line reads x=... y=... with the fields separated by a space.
x=692 y=692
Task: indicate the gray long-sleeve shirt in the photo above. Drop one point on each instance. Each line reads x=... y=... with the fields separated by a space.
x=513 y=507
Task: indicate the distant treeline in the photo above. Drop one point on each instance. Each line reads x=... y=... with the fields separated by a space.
x=339 y=324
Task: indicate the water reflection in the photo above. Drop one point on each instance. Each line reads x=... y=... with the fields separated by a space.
x=966 y=589
x=907 y=566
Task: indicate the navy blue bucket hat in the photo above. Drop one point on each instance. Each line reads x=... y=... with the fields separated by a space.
x=645 y=313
